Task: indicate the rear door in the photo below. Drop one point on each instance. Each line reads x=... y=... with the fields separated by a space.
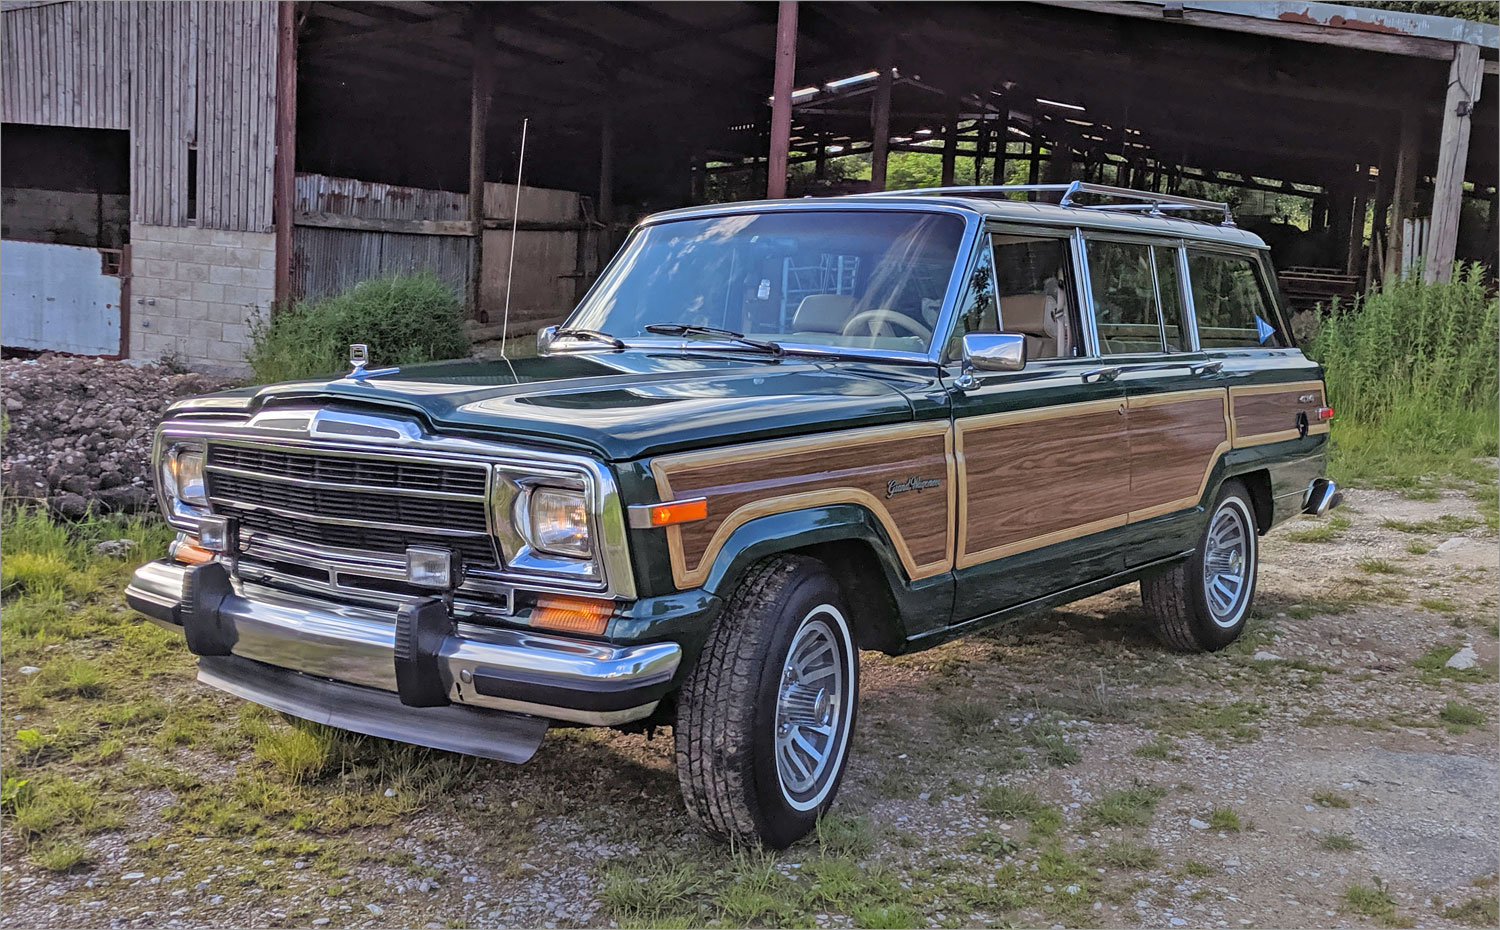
x=1042 y=455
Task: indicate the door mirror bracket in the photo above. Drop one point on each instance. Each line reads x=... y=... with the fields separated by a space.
x=990 y=352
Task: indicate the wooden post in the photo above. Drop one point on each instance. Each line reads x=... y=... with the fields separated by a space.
x=1354 y=263
x=1379 y=230
x=481 y=89
x=1002 y=143
x=880 y=122
x=950 y=142
x=606 y=244
x=1453 y=155
x=285 y=181
x=781 y=102
x=1403 y=186
x=982 y=147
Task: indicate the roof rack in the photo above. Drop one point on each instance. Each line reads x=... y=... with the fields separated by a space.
x=1148 y=202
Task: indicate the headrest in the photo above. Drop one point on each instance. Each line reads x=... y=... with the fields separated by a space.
x=823 y=313
x=1024 y=313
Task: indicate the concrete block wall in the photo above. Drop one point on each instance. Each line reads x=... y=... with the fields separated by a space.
x=193 y=292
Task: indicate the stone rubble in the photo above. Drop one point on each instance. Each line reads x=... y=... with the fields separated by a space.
x=78 y=430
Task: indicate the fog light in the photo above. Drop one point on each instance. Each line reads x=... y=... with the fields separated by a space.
x=216 y=534
x=430 y=568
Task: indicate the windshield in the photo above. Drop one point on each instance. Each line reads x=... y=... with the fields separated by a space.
x=862 y=279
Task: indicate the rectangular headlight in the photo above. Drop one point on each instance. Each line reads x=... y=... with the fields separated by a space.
x=557 y=522
x=182 y=476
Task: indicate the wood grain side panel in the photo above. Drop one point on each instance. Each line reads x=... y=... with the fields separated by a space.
x=1032 y=480
x=1175 y=439
x=1268 y=413
x=745 y=482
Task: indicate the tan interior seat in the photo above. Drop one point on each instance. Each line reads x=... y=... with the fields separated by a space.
x=823 y=313
x=1027 y=313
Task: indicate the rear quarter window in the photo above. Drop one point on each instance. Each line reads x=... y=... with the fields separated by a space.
x=1231 y=303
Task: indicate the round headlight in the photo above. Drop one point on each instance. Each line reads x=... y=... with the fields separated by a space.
x=558 y=522
x=182 y=476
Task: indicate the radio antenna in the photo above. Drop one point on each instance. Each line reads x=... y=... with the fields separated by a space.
x=515 y=225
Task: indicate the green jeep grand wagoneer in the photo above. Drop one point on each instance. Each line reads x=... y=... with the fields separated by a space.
x=773 y=434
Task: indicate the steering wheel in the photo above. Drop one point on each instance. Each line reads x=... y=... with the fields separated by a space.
x=884 y=322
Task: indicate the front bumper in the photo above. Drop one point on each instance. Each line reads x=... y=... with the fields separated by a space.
x=518 y=672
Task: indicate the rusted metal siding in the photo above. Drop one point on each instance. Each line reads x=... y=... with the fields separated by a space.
x=326 y=261
x=177 y=75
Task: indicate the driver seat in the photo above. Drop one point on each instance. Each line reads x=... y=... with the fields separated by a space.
x=823 y=313
x=1027 y=314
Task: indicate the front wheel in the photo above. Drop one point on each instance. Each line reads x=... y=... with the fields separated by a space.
x=1202 y=603
x=764 y=718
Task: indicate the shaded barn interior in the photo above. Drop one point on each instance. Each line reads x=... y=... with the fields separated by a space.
x=643 y=106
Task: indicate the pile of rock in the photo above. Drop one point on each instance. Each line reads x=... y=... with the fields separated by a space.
x=79 y=430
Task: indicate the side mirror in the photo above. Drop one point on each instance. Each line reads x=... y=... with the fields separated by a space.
x=994 y=352
x=544 y=337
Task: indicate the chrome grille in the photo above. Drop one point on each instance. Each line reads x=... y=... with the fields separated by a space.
x=370 y=503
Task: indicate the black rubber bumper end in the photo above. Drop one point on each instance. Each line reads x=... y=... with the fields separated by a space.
x=421 y=628
x=208 y=632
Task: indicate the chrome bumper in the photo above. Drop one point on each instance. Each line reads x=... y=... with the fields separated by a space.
x=519 y=672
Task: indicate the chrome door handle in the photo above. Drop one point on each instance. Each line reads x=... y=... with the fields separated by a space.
x=1208 y=368
x=1100 y=374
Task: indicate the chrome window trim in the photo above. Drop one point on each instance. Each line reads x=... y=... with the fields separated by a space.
x=409 y=443
x=973 y=225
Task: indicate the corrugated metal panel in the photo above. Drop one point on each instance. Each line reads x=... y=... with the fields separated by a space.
x=176 y=74
x=328 y=261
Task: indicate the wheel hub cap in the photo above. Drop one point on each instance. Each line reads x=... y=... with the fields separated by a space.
x=1226 y=554
x=810 y=705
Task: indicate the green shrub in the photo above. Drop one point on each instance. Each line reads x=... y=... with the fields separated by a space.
x=404 y=320
x=1413 y=375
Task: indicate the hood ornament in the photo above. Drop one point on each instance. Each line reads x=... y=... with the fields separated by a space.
x=359 y=357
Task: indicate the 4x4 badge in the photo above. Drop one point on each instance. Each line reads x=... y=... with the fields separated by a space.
x=914 y=483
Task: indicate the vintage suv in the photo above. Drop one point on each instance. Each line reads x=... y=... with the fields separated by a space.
x=773 y=434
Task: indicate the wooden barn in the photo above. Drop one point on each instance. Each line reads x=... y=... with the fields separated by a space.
x=173 y=169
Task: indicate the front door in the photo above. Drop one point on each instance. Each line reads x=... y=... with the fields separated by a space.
x=1042 y=453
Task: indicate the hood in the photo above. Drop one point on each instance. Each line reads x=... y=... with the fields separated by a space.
x=620 y=405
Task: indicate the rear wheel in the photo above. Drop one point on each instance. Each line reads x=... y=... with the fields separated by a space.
x=764 y=719
x=1202 y=603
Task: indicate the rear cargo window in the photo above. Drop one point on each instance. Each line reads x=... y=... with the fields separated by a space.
x=1231 y=303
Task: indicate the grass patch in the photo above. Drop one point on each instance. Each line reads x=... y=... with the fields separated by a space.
x=1124 y=856
x=1126 y=807
x=1330 y=799
x=1326 y=529
x=1378 y=567
x=1339 y=842
x=1419 y=547
x=1445 y=525
x=1160 y=749
x=1461 y=717
x=1442 y=605
x=1009 y=803
x=1475 y=912
x=1433 y=666
x=1374 y=901
x=1224 y=820
x=1198 y=869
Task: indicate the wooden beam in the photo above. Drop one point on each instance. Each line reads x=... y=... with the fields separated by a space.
x=1292 y=29
x=1464 y=83
x=285 y=168
x=481 y=87
x=386 y=225
x=880 y=121
x=781 y=99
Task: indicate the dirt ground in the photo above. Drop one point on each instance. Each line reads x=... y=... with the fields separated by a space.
x=1329 y=770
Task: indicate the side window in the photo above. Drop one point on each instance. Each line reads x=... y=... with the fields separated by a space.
x=1034 y=286
x=1169 y=287
x=1124 y=294
x=1230 y=303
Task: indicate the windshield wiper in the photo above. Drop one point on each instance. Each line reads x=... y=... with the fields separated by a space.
x=691 y=329
x=592 y=334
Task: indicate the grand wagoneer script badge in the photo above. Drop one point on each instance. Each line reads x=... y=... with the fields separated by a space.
x=914 y=483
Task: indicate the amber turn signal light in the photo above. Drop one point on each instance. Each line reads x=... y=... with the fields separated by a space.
x=572 y=614
x=675 y=512
x=189 y=552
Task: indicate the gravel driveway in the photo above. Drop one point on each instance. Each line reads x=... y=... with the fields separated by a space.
x=1329 y=770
